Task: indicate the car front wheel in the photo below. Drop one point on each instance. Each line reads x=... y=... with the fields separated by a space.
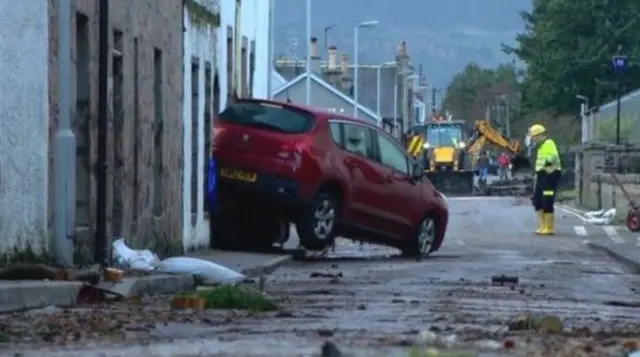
x=317 y=225
x=421 y=244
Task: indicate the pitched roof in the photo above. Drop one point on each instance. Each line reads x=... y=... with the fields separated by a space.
x=329 y=87
x=277 y=80
x=367 y=84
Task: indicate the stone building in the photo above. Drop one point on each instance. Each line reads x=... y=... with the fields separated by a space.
x=145 y=125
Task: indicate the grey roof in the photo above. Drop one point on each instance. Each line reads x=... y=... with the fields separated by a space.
x=277 y=81
x=367 y=78
x=315 y=77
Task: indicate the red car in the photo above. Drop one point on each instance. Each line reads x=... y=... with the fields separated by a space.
x=329 y=174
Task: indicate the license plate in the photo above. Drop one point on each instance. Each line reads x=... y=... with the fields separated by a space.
x=239 y=175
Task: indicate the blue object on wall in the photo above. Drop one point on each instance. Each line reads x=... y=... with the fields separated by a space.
x=211 y=184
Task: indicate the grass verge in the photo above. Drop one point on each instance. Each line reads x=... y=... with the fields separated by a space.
x=236 y=297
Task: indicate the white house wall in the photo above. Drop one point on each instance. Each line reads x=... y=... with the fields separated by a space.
x=254 y=26
x=24 y=127
x=199 y=42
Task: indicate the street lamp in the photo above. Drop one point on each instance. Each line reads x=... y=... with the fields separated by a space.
x=379 y=84
x=619 y=66
x=395 y=99
x=584 y=107
x=326 y=36
x=406 y=92
x=356 y=85
x=308 y=77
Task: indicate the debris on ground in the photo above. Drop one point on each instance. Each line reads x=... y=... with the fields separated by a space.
x=527 y=321
x=503 y=279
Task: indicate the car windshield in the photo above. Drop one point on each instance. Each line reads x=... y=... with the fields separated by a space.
x=268 y=116
x=443 y=134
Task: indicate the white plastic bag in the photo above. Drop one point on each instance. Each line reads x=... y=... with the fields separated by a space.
x=128 y=258
x=208 y=272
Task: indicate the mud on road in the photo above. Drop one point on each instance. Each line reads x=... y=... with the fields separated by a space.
x=369 y=300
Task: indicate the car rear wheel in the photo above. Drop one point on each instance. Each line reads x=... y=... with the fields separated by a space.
x=316 y=226
x=421 y=243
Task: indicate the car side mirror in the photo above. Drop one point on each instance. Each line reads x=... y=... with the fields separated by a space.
x=418 y=172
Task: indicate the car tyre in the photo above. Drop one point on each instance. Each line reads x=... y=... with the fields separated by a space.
x=316 y=227
x=420 y=244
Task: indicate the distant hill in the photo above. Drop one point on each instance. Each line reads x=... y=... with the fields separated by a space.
x=443 y=35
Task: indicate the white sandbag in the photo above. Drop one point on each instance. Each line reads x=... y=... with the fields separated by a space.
x=601 y=217
x=128 y=258
x=208 y=272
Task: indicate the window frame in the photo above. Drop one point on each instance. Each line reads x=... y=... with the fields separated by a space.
x=394 y=142
x=342 y=144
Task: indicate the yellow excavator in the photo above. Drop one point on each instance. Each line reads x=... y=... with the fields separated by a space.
x=449 y=158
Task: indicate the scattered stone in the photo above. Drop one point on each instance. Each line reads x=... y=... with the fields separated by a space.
x=397 y=301
x=503 y=279
x=329 y=349
x=326 y=275
x=325 y=333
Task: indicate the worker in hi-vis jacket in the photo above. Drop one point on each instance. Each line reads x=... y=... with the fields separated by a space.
x=548 y=168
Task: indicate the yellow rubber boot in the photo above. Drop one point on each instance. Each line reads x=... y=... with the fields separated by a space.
x=549 y=224
x=541 y=225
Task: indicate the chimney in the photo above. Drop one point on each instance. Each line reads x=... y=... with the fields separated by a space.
x=332 y=73
x=313 y=52
x=344 y=65
x=345 y=80
x=333 y=59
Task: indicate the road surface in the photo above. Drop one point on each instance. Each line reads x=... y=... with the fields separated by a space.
x=369 y=300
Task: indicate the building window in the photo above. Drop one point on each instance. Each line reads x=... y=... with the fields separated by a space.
x=118 y=124
x=81 y=124
x=252 y=67
x=158 y=123
x=136 y=129
x=208 y=104
x=244 y=69
x=230 y=77
x=195 y=106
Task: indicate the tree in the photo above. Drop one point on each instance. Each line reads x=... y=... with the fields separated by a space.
x=472 y=89
x=567 y=47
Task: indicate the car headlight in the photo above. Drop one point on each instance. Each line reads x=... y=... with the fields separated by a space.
x=426 y=145
x=462 y=145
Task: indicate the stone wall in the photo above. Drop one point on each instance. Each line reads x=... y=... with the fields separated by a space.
x=602 y=191
x=145 y=27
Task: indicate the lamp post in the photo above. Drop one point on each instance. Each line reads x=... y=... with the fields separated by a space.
x=409 y=110
x=379 y=83
x=584 y=107
x=308 y=77
x=356 y=85
x=326 y=36
x=619 y=67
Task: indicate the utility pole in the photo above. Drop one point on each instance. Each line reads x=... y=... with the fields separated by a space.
x=508 y=116
x=100 y=253
x=65 y=148
x=433 y=100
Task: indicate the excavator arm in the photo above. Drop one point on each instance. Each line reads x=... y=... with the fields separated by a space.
x=484 y=132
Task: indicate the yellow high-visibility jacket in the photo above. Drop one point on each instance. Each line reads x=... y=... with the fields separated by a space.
x=547 y=156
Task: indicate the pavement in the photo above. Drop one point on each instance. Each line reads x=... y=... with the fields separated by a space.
x=25 y=295
x=370 y=301
x=615 y=240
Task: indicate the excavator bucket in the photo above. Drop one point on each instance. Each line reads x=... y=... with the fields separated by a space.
x=521 y=165
x=452 y=182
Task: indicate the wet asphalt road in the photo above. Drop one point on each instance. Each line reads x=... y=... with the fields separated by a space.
x=369 y=297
